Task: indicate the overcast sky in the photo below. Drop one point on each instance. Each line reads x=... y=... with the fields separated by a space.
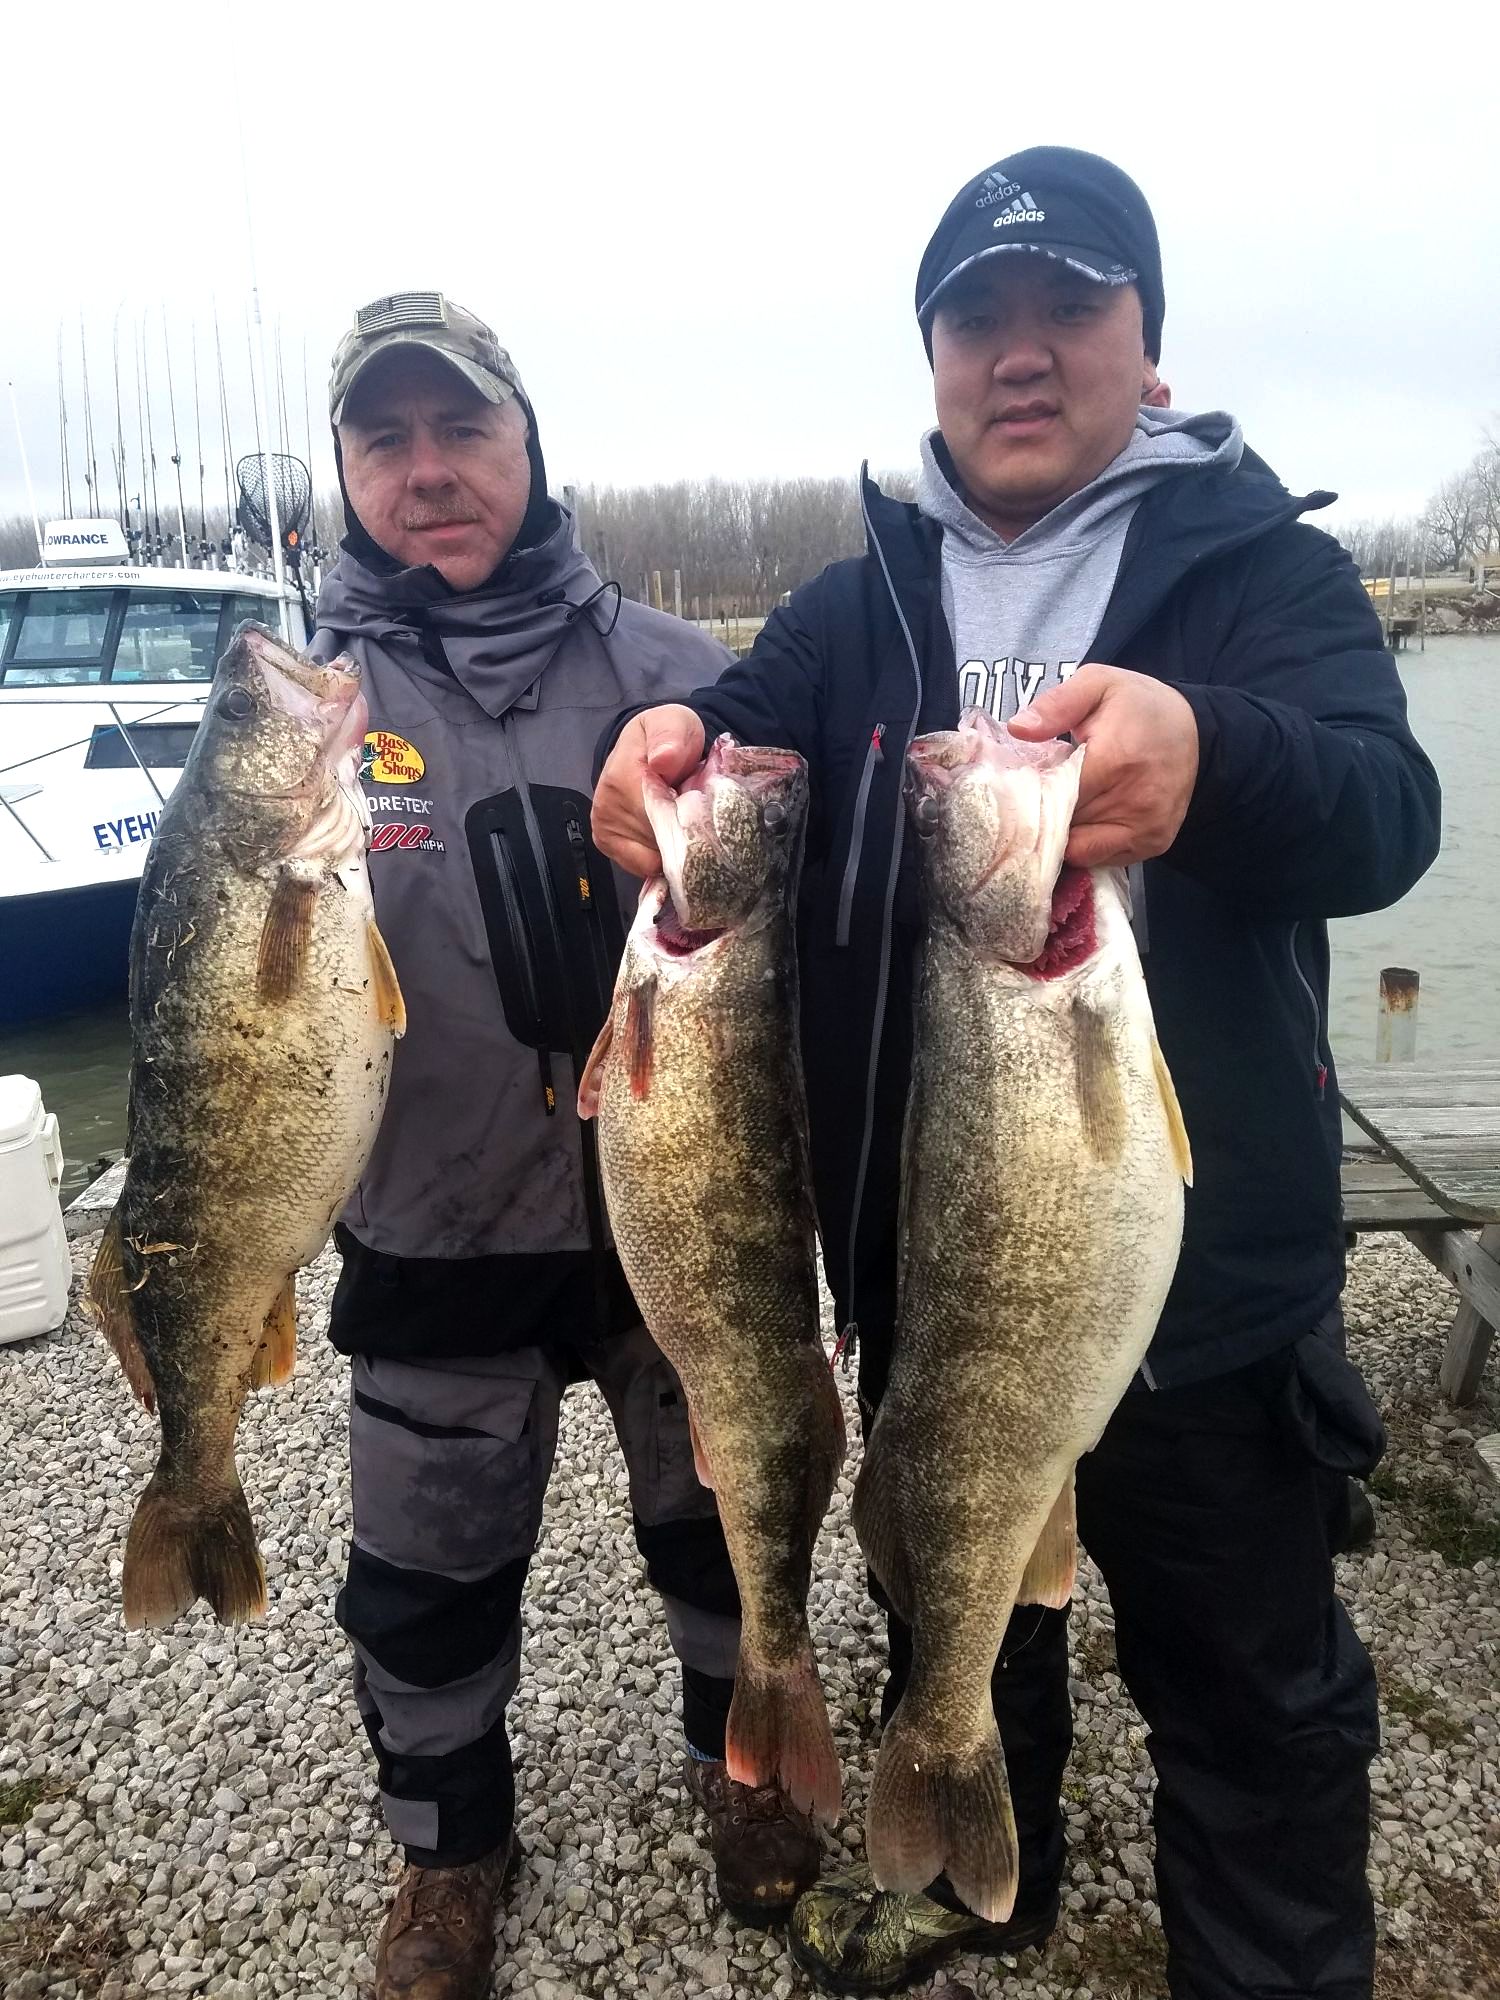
x=697 y=227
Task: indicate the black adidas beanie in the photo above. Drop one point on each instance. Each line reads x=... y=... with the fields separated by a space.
x=1056 y=202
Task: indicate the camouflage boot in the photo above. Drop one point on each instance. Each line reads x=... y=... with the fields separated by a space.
x=439 y=1939
x=765 y=1851
x=850 y=1937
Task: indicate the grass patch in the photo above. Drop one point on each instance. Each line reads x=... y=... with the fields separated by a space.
x=20 y=1798
x=1442 y=1518
x=1429 y=1715
x=1123 y=1957
x=82 y=1948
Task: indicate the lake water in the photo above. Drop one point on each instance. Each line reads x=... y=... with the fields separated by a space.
x=1446 y=928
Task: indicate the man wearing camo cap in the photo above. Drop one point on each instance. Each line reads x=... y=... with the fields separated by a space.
x=478 y=1277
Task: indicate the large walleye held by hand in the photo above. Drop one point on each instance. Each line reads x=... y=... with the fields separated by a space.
x=263 y=1008
x=1043 y=1172
x=697 y=1083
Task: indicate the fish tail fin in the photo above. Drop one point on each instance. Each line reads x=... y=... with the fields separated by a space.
x=877 y=1520
x=179 y=1550
x=107 y=1297
x=779 y=1731
x=929 y=1814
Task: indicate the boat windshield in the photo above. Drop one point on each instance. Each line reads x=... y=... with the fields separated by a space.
x=68 y=638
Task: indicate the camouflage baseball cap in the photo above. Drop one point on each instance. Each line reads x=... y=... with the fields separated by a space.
x=423 y=319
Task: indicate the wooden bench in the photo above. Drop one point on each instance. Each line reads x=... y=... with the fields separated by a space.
x=1433 y=1172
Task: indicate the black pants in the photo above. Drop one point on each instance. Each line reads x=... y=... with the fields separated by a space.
x=1211 y=1526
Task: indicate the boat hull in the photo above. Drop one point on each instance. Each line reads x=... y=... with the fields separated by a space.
x=64 y=949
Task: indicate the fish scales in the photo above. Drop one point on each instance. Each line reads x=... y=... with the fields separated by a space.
x=703 y=1148
x=263 y=1013
x=1042 y=1206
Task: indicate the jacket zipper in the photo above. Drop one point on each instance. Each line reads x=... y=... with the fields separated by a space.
x=593 y=1201
x=604 y=972
x=873 y=756
x=1320 y=1068
x=849 y=1340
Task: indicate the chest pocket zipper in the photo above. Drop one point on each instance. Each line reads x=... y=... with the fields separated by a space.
x=874 y=756
x=1320 y=1068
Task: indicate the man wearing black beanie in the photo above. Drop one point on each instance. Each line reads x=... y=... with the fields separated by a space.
x=1082 y=560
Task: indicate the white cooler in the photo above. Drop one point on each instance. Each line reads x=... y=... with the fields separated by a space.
x=34 y=1262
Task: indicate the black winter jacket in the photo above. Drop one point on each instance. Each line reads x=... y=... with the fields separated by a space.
x=1313 y=801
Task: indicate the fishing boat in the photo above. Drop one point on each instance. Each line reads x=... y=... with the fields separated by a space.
x=105 y=666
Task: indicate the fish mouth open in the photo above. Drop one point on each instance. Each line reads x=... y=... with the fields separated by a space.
x=330 y=697
x=682 y=817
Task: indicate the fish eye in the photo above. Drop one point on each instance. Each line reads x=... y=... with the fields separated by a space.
x=235 y=703
x=773 y=816
x=925 y=813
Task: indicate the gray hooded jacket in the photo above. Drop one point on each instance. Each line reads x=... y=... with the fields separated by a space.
x=495 y=696
x=1023 y=614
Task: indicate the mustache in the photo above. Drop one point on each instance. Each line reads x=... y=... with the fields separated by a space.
x=438 y=515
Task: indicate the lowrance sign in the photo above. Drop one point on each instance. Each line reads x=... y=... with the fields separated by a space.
x=66 y=542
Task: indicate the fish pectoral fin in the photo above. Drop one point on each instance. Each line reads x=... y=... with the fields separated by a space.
x=640 y=1036
x=1181 y=1152
x=1052 y=1569
x=700 y=1456
x=285 y=936
x=390 y=1008
x=877 y=1521
x=591 y=1083
x=1101 y=1101
x=107 y=1296
x=276 y=1356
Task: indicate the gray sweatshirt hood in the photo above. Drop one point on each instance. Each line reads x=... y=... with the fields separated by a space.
x=1163 y=442
x=499 y=639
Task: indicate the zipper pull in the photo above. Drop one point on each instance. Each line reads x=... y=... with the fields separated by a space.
x=549 y=1089
x=845 y=1348
x=580 y=862
x=877 y=742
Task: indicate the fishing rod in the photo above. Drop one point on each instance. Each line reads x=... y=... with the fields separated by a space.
x=312 y=514
x=62 y=426
x=156 y=537
x=119 y=444
x=91 y=477
x=140 y=425
x=278 y=560
x=198 y=430
x=225 y=441
x=176 y=448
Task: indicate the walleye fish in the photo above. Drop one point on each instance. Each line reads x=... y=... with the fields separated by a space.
x=1043 y=1168
x=263 y=1008
x=697 y=1082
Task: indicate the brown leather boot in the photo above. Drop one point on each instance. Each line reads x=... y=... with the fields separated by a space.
x=765 y=1851
x=439 y=1939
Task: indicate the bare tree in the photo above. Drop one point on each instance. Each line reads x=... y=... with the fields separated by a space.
x=1377 y=546
x=1454 y=519
x=17 y=542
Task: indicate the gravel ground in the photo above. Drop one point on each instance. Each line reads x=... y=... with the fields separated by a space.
x=191 y=1811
